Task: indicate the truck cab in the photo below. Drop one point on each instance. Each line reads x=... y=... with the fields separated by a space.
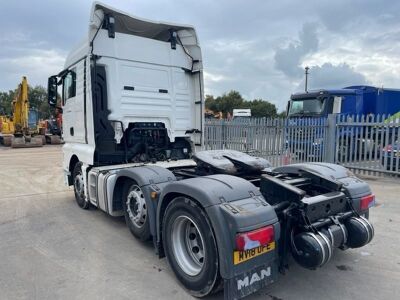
x=131 y=92
x=351 y=100
x=346 y=103
x=321 y=103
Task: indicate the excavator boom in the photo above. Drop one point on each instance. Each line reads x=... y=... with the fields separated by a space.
x=21 y=109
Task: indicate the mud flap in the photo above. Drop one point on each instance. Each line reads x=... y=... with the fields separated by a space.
x=249 y=282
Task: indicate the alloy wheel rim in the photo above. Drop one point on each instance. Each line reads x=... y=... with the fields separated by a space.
x=136 y=206
x=188 y=245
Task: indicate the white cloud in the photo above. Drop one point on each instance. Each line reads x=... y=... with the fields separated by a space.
x=329 y=76
x=37 y=65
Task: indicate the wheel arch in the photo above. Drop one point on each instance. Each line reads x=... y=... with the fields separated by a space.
x=198 y=211
x=72 y=163
x=214 y=219
x=148 y=178
x=117 y=192
x=169 y=193
x=189 y=188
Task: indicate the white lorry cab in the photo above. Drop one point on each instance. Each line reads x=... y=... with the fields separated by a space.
x=132 y=97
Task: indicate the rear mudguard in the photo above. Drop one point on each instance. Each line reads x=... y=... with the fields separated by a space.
x=232 y=205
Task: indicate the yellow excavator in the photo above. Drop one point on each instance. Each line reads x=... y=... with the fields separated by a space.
x=21 y=130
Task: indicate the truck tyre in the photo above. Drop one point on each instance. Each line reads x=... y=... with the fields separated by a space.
x=190 y=247
x=79 y=186
x=135 y=210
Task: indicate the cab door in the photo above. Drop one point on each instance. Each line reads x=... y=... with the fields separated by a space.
x=73 y=104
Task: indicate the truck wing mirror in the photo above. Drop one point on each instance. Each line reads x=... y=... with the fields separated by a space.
x=52 y=91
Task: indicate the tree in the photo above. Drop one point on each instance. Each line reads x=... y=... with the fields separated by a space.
x=210 y=103
x=37 y=99
x=282 y=114
x=225 y=103
x=260 y=108
x=6 y=99
x=229 y=101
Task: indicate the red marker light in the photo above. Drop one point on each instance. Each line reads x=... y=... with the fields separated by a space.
x=252 y=239
x=367 y=202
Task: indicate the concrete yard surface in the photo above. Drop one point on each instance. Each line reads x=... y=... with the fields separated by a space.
x=52 y=249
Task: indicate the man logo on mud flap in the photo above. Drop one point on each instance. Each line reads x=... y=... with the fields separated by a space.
x=255 y=277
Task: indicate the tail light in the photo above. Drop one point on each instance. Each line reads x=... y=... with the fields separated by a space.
x=367 y=202
x=255 y=238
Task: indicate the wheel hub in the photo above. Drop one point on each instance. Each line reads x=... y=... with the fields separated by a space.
x=79 y=185
x=136 y=206
x=188 y=245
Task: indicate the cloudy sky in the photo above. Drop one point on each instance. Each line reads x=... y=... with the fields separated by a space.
x=258 y=47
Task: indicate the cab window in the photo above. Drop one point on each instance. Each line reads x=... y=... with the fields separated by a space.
x=69 y=85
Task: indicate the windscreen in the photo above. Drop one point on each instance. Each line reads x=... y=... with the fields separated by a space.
x=33 y=118
x=311 y=106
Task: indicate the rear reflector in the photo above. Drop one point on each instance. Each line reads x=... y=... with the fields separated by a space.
x=367 y=202
x=252 y=239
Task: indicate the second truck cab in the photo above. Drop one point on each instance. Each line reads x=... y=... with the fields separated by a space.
x=352 y=100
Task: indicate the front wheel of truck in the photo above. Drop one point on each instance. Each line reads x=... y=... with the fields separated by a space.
x=190 y=247
x=135 y=211
x=79 y=186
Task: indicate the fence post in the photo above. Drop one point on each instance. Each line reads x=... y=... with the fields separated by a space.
x=330 y=147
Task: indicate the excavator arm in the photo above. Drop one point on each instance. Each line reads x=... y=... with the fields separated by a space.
x=20 y=107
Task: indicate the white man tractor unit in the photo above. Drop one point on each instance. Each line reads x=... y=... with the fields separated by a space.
x=133 y=101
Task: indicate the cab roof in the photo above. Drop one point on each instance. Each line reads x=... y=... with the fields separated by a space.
x=129 y=24
x=321 y=92
x=350 y=90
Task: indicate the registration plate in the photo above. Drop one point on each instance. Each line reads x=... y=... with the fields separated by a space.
x=242 y=256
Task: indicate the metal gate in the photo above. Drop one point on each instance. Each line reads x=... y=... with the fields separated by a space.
x=365 y=144
x=368 y=144
x=281 y=141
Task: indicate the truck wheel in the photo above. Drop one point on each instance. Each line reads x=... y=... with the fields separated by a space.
x=135 y=210
x=79 y=186
x=190 y=247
